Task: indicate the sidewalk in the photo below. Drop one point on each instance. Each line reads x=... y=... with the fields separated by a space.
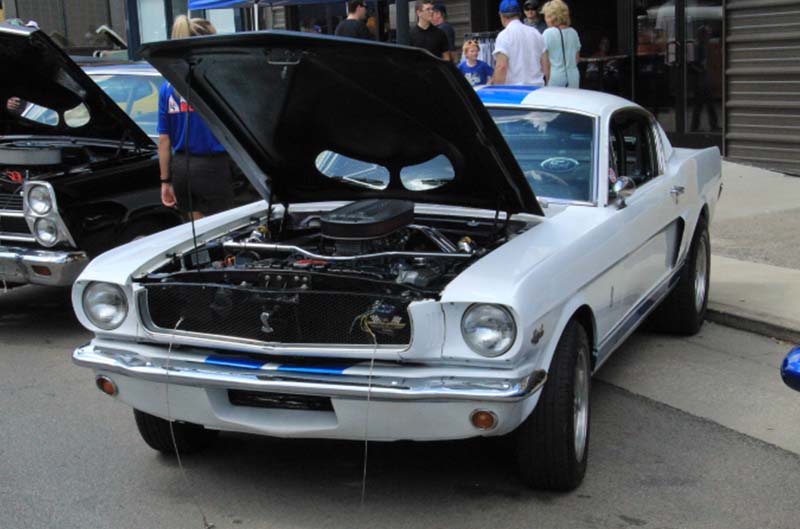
x=755 y=245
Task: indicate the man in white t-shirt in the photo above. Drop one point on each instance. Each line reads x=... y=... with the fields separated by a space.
x=518 y=50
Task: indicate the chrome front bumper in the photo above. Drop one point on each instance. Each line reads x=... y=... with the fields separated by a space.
x=16 y=265
x=393 y=383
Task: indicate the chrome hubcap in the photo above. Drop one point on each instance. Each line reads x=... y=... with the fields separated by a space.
x=581 y=403
x=700 y=275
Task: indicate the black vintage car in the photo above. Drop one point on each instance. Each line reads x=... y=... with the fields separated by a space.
x=78 y=166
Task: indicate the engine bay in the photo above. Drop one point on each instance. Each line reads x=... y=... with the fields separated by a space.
x=24 y=160
x=375 y=246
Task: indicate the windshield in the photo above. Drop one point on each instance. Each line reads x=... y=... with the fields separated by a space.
x=137 y=95
x=554 y=149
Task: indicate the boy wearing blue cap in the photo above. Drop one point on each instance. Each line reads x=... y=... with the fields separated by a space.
x=518 y=50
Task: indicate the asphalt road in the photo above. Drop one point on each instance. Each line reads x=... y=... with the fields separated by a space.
x=677 y=442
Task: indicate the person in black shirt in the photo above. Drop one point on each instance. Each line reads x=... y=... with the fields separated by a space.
x=427 y=36
x=440 y=21
x=353 y=26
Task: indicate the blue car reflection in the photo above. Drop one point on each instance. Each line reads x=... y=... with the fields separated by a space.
x=790 y=370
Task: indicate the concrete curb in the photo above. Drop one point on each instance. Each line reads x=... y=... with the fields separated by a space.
x=754 y=322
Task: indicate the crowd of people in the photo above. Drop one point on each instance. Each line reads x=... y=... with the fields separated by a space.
x=537 y=46
x=525 y=51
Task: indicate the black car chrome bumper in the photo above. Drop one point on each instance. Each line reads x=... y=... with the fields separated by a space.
x=40 y=267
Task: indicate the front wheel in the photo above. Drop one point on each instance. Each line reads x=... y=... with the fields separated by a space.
x=155 y=431
x=552 y=445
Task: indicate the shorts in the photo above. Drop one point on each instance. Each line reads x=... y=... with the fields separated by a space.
x=208 y=186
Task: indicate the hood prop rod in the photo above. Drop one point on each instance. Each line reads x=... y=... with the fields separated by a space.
x=189 y=153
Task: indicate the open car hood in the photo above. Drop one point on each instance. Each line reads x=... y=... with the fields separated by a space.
x=34 y=68
x=276 y=100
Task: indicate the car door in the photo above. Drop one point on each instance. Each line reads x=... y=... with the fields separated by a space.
x=646 y=224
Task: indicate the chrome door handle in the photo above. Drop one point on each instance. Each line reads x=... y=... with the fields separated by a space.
x=677 y=190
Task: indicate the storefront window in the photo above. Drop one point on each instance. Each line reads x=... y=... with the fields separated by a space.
x=678 y=73
x=223 y=20
x=703 y=65
x=657 y=66
x=152 y=26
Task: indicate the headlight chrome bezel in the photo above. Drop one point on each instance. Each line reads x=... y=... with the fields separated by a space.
x=32 y=215
x=469 y=336
x=90 y=306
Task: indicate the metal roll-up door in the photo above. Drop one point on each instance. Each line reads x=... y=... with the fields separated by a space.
x=762 y=83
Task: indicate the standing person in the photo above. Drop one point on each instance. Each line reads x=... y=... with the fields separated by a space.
x=211 y=189
x=440 y=21
x=532 y=18
x=477 y=72
x=353 y=26
x=518 y=50
x=427 y=36
x=563 y=46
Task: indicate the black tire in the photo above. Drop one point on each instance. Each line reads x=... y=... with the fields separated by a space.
x=155 y=431
x=552 y=445
x=684 y=309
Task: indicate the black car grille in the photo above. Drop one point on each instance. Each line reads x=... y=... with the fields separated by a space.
x=12 y=225
x=10 y=202
x=285 y=317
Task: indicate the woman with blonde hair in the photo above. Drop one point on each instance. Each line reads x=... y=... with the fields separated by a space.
x=184 y=140
x=185 y=27
x=563 y=46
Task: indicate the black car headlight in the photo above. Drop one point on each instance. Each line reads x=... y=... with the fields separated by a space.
x=105 y=305
x=45 y=231
x=40 y=200
x=489 y=330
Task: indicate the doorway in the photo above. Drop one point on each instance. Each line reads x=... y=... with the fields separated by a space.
x=678 y=68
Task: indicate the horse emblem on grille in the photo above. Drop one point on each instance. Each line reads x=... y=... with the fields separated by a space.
x=266 y=328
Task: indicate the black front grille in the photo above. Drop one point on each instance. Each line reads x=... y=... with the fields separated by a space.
x=285 y=317
x=15 y=225
x=10 y=202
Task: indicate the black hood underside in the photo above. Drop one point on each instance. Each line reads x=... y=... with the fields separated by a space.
x=277 y=100
x=35 y=69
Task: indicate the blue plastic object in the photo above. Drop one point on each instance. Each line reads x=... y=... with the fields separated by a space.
x=790 y=370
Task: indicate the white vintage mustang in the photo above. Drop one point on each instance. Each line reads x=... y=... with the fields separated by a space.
x=401 y=279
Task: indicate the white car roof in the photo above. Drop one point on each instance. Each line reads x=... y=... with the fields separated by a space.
x=570 y=99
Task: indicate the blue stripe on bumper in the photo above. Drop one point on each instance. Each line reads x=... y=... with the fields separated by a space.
x=328 y=370
x=248 y=363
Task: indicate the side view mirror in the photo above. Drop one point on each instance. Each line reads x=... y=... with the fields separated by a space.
x=622 y=189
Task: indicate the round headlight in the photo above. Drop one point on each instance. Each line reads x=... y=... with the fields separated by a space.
x=105 y=305
x=40 y=200
x=46 y=231
x=489 y=330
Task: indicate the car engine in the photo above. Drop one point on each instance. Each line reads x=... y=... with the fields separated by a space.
x=312 y=276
